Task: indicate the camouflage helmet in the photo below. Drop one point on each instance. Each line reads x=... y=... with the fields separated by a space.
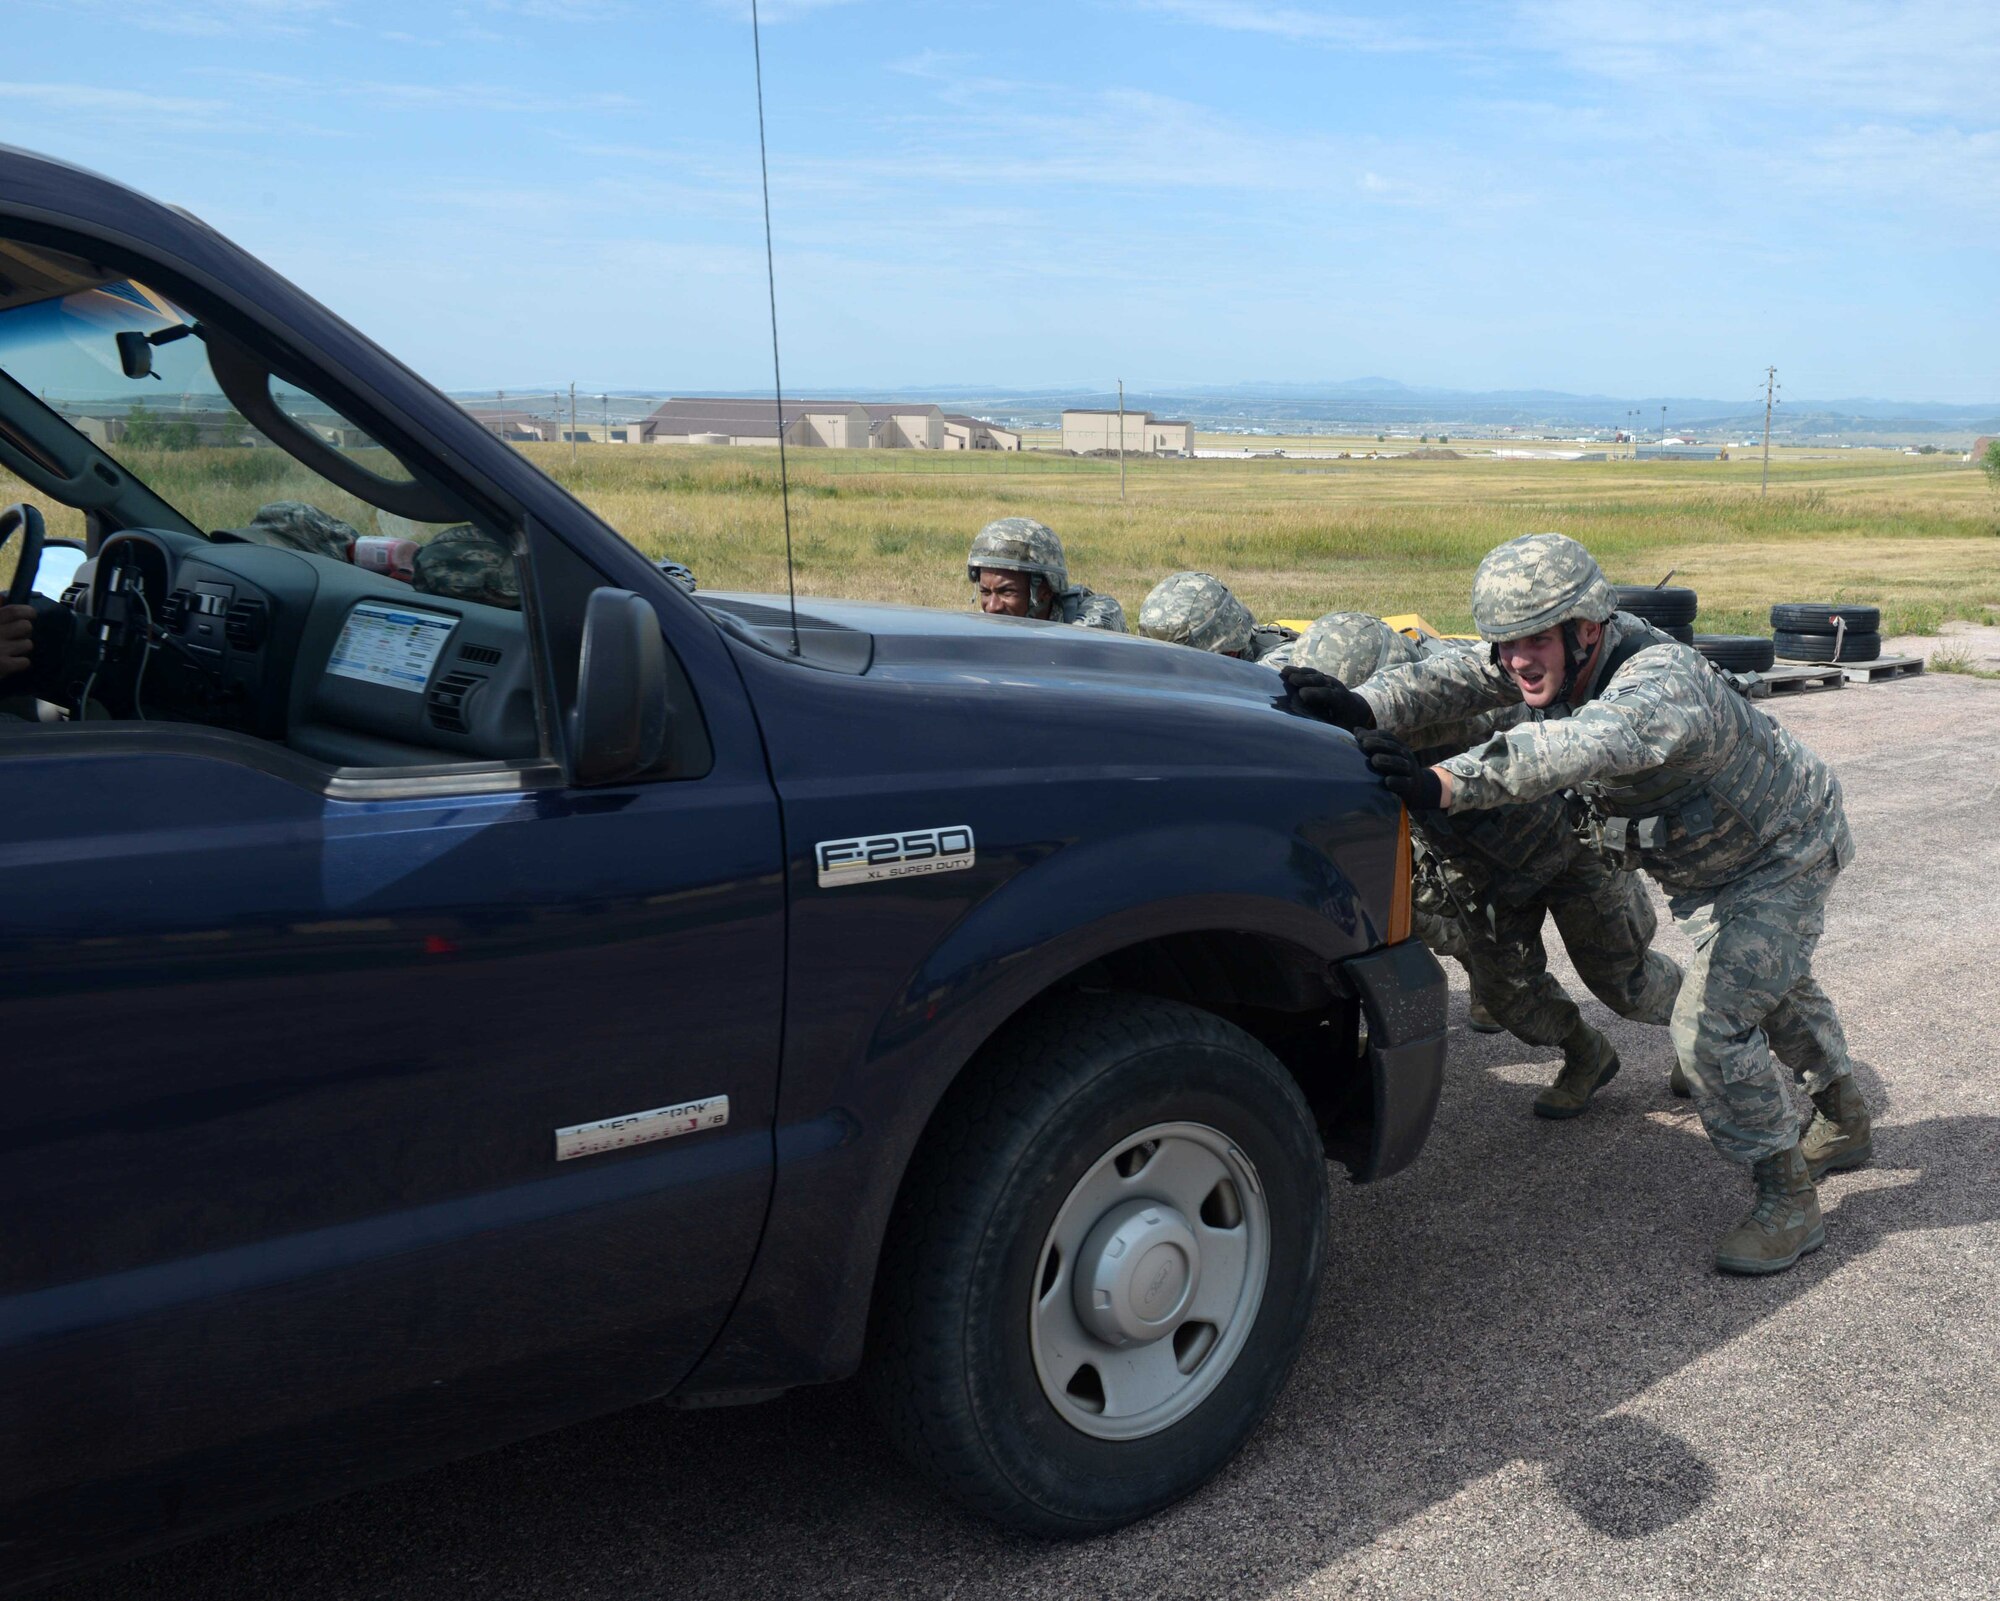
x=467 y=563
x=1352 y=647
x=294 y=525
x=1197 y=609
x=1018 y=545
x=1537 y=582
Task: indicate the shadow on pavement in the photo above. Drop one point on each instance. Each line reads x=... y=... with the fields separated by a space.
x=1500 y=1302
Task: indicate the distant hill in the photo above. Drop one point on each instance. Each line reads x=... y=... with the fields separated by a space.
x=1373 y=404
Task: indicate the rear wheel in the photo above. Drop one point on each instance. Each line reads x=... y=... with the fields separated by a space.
x=1102 y=1265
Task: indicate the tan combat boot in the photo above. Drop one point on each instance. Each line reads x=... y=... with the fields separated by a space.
x=1841 y=1134
x=1784 y=1223
x=1679 y=1082
x=1589 y=1063
x=1481 y=1021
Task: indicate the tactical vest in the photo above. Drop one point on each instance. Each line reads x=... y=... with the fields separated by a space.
x=1087 y=609
x=1692 y=829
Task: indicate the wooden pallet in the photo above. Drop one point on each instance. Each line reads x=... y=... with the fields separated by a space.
x=1882 y=668
x=1799 y=678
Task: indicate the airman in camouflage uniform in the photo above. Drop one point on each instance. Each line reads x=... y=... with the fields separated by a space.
x=1739 y=822
x=1198 y=609
x=293 y=525
x=1490 y=879
x=1021 y=546
x=467 y=563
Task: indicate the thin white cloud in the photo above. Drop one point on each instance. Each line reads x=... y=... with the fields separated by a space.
x=775 y=10
x=454 y=97
x=96 y=100
x=1331 y=25
x=1938 y=58
x=563 y=10
x=216 y=19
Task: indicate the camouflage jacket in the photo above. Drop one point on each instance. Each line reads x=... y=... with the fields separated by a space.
x=1087 y=609
x=1506 y=854
x=1683 y=776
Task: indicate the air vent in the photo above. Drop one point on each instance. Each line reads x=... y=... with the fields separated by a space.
x=448 y=699
x=479 y=653
x=244 y=626
x=173 y=614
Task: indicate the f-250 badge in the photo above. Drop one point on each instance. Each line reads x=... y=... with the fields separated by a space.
x=873 y=857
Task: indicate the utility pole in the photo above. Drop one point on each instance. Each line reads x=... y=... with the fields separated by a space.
x=500 y=416
x=606 y=398
x=1121 y=438
x=1663 y=425
x=1770 y=400
x=572 y=425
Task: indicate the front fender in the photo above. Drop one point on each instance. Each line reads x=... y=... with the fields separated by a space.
x=849 y=1125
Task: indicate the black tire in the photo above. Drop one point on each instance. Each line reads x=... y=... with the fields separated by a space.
x=1671 y=606
x=951 y=1366
x=1740 y=653
x=1819 y=647
x=1817 y=617
x=1684 y=632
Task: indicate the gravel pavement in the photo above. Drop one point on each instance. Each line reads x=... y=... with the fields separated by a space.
x=1524 y=1378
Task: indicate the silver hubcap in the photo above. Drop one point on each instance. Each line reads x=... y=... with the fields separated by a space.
x=1149 y=1281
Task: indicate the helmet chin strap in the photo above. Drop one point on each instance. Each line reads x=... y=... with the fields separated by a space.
x=1576 y=654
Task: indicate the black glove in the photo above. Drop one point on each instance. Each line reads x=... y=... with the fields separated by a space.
x=1320 y=695
x=1408 y=779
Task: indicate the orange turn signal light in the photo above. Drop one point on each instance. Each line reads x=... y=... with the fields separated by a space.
x=1401 y=913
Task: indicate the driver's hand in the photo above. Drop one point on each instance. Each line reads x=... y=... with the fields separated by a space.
x=17 y=639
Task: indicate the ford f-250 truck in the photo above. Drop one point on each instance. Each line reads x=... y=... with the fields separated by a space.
x=435 y=1009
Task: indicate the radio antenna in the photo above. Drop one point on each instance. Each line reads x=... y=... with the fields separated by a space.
x=777 y=378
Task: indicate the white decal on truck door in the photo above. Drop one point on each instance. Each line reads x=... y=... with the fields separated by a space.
x=640 y=1128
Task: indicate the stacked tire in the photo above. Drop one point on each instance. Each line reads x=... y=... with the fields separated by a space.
x=1826 y=631
x=1668 y=608
x=1672 y=610
x=1740 y=653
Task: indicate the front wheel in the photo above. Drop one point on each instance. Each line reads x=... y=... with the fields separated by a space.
x=1101 y=1266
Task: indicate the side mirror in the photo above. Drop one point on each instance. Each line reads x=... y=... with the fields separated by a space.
x=61 y=558
x=619 y=723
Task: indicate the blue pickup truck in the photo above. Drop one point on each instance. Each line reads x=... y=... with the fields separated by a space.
x=439 y=1004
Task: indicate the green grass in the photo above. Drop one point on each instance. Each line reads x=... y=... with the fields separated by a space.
x=1960 y=660
x=1918 y=536
x=1297 y=538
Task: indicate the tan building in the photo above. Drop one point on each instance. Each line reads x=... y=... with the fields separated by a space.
x=1085 y=431
x=828 y=424
x=971 y=433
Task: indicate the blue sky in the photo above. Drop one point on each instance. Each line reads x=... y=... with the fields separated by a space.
x=1549 y=194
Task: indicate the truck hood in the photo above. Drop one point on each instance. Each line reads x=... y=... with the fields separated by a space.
x=917 y=643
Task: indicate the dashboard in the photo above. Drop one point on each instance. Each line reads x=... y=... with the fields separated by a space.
x=347 y=666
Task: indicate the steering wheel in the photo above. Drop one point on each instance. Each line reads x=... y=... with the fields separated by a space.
x=24 y=517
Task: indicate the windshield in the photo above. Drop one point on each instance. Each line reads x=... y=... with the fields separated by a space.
x=173 y=428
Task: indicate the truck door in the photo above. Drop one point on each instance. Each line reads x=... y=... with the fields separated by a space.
x=318 y=1156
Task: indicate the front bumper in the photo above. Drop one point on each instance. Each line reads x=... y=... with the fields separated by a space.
x=1402 y=993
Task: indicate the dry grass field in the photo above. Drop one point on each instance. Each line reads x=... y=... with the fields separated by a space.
x=1300 y=537
x=1293 y=537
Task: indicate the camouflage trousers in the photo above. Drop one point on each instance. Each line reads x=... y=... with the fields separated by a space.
x=1750 y=1003
x=1607 y=925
